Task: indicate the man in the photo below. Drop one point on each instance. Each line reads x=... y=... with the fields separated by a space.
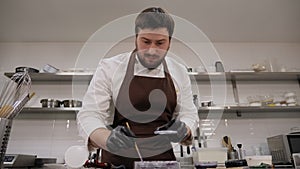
x=148 y=92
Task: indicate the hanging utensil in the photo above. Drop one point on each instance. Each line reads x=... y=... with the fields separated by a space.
x=13 y=93
x=14 y=89
x=19 y=106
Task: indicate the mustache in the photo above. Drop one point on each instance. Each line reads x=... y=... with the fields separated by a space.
x=150 y=55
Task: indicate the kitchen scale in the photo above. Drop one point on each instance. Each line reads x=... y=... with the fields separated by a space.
x=19 y=160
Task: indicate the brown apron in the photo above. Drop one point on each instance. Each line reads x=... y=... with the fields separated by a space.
x=144 y=116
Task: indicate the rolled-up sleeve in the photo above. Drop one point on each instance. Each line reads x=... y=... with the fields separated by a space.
x=186 y=111
x=96 y=102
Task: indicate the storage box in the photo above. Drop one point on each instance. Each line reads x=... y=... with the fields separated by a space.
x=257 y=160
x=210 y=154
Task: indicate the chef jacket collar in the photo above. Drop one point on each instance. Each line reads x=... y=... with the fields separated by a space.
x=140 y=70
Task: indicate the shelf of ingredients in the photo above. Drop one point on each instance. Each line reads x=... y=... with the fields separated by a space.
x=226 y=109
x=230 y=112
x=248 y=112
x=229 y=109
x=204 y=76
x=199 y=76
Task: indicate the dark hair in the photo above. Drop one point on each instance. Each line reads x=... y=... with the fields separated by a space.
x=154 y=17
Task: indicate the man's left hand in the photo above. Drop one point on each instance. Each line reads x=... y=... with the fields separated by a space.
x=175 y=125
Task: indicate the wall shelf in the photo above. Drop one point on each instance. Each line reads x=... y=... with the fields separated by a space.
x=225 y=112
x=39 y=113
x=245 y=76
x=233 y=112
x=57 y=77
x=226 y=109
x=202 y=76
x=49 y=110
x=230 y=109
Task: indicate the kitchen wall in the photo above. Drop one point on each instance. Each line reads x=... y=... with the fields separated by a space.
x=50 y=134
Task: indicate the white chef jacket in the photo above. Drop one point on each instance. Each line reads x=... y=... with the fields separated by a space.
x=98 y=108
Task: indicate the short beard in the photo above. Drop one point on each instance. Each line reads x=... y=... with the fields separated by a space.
x=148 y=66
x=144 y=63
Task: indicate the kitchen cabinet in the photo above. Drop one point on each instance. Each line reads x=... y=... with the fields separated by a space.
x=232 y=77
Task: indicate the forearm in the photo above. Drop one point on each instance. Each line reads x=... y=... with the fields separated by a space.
x=98 y=138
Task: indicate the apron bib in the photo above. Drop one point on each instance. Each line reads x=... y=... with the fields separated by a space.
x=144 y=116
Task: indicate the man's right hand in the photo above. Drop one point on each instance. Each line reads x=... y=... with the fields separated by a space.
x=120 y=138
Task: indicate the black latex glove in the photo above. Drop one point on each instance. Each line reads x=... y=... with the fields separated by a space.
x=120 y=138
x=175 y=125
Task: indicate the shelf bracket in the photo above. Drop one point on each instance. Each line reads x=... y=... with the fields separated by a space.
x=238 y=113
x=235 y=91
x=298 y=77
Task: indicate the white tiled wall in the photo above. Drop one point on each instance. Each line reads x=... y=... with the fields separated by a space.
x=49 y=135
x=44 y=137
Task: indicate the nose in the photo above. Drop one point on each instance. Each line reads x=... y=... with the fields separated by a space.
x=152 y=48
x=152 y=51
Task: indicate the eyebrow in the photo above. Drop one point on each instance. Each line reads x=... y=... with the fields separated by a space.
x=160 y=40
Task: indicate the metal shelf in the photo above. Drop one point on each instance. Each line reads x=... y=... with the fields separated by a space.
x=202 y=76
x=58 y=77
x=245 y=76
x=227 y=112
x=227 y=76
x=246 y=112
x=226 y=109
x=230 y=109
x=39 y=113
x=49 y=110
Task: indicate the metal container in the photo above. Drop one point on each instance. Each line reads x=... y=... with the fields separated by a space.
x=72 y=103
x=50 y=103
x=26 y=69
x=233 y=155
x=206 y=103
x=219 y=66
x=5 y=127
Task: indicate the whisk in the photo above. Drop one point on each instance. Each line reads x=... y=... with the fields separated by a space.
x=14 y=94
x=13 y=97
